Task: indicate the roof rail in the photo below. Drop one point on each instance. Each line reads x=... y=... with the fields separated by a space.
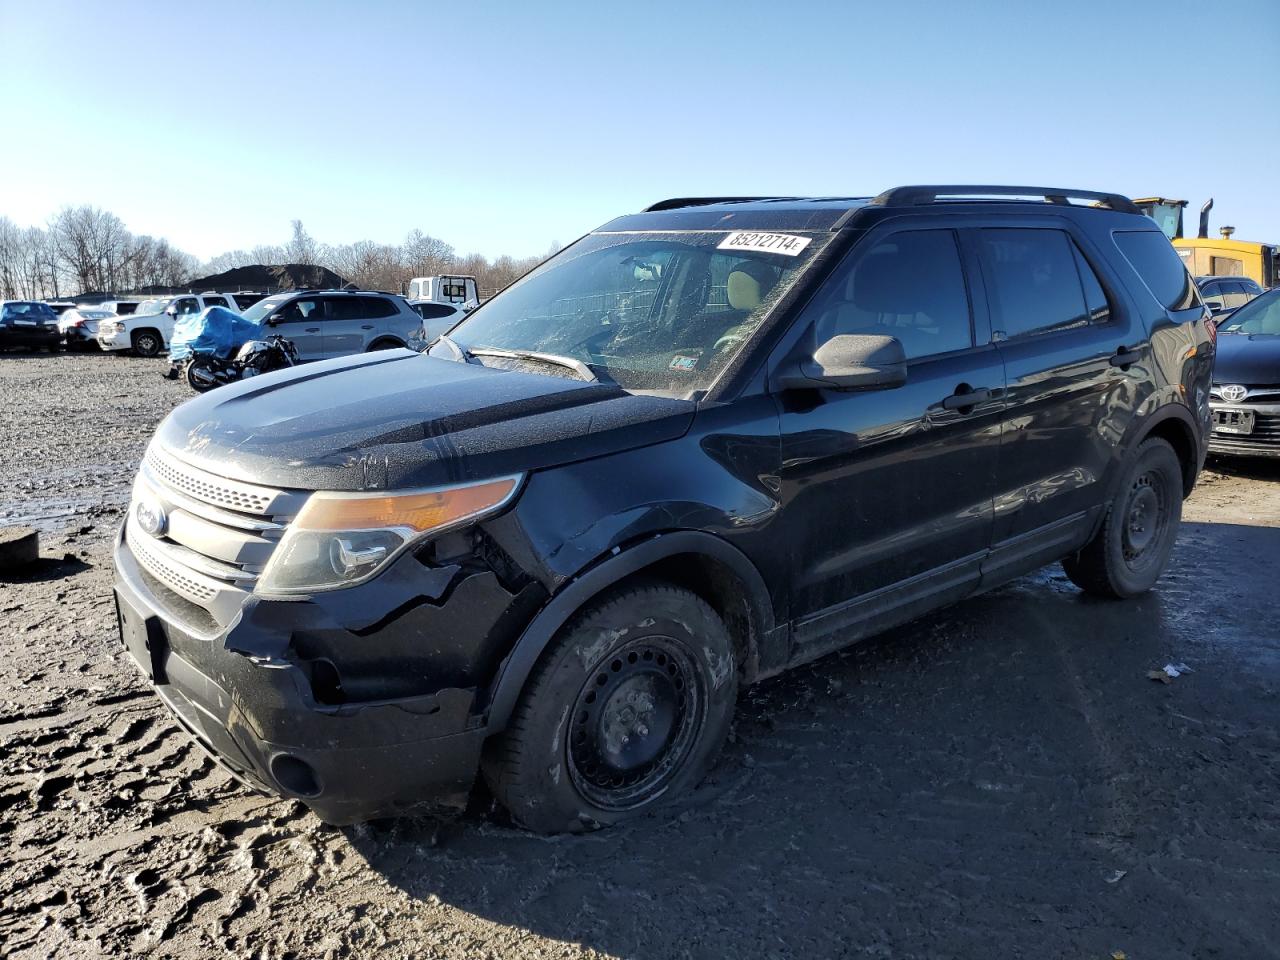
x=919 y=195
x=676 y=202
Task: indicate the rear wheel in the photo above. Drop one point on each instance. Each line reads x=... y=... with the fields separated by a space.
x=1128 y=555
x=147 y=343
x=627 y=708
x=201 y=374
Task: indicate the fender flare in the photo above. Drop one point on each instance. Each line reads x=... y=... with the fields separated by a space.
x=1163 y=414
x=513 y=672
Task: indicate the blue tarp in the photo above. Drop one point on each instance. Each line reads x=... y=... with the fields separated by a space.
x=216 y=330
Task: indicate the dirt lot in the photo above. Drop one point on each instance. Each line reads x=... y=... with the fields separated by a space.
x=999 y=780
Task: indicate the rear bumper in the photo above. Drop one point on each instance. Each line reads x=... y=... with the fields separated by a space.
x=1263 y=442
x=29 y=336
x=258 y=716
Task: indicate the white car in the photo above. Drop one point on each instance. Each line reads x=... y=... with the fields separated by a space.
x=147 y=330
x=79 y=326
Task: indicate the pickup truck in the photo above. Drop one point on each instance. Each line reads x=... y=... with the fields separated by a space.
x=147 y=330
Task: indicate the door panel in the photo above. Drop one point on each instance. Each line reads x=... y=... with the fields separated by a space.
x=887 y=492
x=302 y=321
x=1069 y=401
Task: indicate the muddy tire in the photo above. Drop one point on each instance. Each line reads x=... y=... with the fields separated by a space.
x=628 y=708
x=1127 y=556
x=147 y=343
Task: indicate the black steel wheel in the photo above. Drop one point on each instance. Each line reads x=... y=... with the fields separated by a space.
x=633 y=723
x=628 y=707
x=1131 y=550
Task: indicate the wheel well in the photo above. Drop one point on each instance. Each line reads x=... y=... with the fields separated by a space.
x=133 y=335
x=1178 y=435
x=723 y=590
x=385 y=341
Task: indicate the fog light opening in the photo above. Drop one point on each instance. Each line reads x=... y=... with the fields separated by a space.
x=295 y=776
x=326 y=683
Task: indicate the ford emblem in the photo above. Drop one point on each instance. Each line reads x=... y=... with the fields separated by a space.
x=1234 y=393
x=151 y=517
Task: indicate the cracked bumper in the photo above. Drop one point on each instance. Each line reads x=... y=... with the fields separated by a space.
x=258 y=715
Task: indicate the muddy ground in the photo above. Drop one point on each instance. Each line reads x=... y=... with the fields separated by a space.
x=998 y=780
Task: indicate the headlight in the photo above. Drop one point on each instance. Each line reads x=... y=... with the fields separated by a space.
x=340 y=539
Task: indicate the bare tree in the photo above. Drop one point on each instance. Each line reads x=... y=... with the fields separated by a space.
x=302 y=248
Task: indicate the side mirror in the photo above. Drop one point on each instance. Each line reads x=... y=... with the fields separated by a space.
x=274 y=319
x=1215 y=306
x=848 y=362
x=171 y=310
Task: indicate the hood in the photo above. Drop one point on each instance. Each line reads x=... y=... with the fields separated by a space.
x=1253 y=360
x=397 y=419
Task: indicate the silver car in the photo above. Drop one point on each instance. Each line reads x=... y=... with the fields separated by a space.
x=337 y=323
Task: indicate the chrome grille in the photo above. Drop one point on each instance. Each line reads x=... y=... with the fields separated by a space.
x=217 y=537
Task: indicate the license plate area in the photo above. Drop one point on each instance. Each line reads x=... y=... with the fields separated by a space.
x=143 y=639
x=1233 y=421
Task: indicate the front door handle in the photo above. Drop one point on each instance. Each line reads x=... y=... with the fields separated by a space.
x=966 y=398
x=311 y=330
x=366 y=326
x=1124 y=359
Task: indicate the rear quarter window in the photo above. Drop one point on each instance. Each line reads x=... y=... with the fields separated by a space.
x=1152 y=256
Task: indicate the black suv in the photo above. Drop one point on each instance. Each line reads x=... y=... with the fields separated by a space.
x=702 y=444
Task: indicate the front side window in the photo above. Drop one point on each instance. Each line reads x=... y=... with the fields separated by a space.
x=910 y=286
x=303 y=309
x=1152 y=256
x=188 y=305
x=1035 y=280
x=655 y=312
x=214 y=302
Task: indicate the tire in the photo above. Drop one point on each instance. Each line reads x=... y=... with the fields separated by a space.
x=200 y=376
x=147 y=343
x=626 y=709
x=1131 y=550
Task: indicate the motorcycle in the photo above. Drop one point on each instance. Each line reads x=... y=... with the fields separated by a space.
x=204 y=371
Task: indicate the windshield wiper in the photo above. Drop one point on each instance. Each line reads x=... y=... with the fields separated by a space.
x=577 y=366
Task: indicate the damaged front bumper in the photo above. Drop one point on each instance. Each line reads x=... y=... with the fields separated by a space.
x=362 y=703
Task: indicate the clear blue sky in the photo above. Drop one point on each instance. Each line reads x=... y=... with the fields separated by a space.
x=502 y=127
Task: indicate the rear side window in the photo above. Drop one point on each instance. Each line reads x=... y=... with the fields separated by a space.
x=1152 y=256
x=909 y=285
x=1040 y=282
x=434 y=311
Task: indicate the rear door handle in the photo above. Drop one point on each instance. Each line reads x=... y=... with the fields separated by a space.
x=311 y=330
x=366 y=326
x=1124 y=359
x=966 y=397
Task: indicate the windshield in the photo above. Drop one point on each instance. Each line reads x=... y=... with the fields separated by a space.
x=1260 y=316
x=654 y=312
x=148 y=308
x=263 y=309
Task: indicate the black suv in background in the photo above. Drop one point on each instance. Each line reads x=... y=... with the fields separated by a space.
x=702 y=444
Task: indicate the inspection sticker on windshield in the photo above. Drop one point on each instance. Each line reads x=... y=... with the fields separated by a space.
x=783 y=243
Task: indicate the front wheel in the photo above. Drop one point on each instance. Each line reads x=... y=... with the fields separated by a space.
x=1128 y=555
x=147 y=343
x=627 y=708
